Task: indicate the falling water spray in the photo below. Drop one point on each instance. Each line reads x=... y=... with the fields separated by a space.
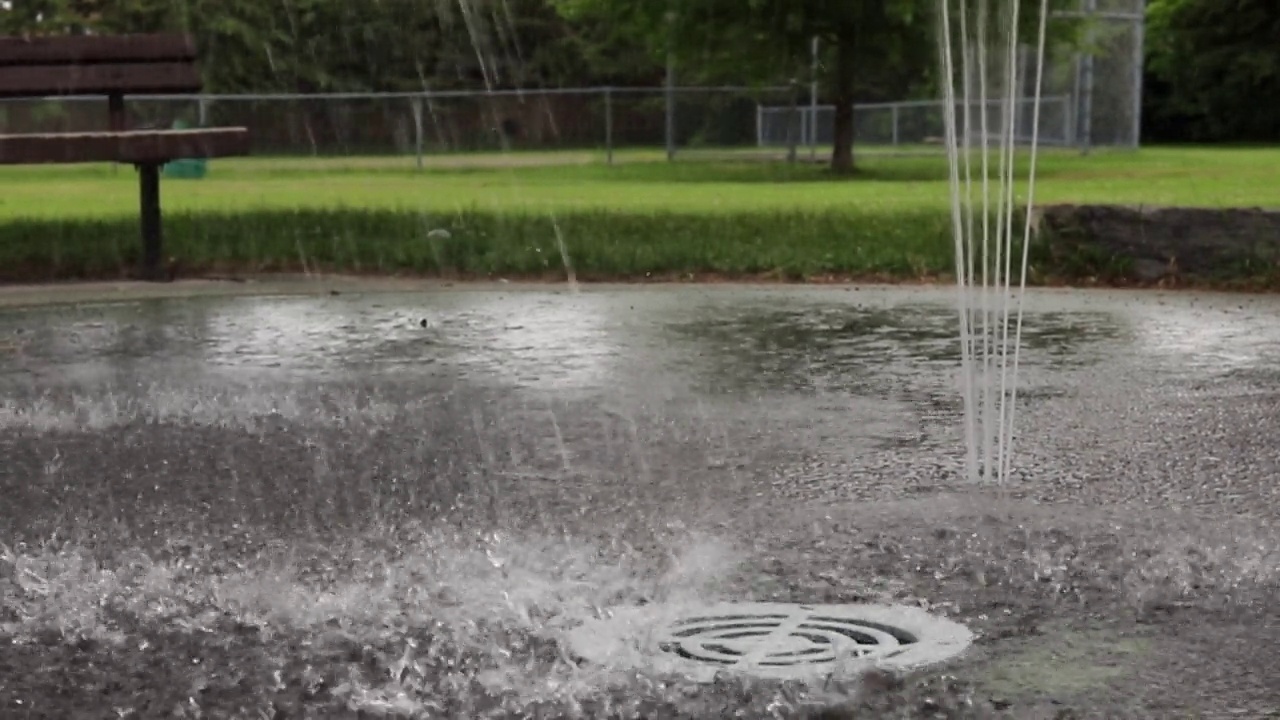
x=979 y=43
x=490 y=25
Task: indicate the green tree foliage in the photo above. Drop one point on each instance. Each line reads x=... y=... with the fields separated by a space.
x=337 y=45
x=45 y=17
x=872 y=50
x=1213 y=70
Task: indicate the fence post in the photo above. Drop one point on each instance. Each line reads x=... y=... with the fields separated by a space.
x=893 y=115
x=1139 y=26
x=671 y=107
x=202 y=111
x=813 y=101
x=415 y=105
x=1086 y=104
x=1069 y=119
x=608 y=125
x=1086 y=119
x=794 y=123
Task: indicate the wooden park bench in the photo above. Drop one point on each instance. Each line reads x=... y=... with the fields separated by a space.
x=112 y=66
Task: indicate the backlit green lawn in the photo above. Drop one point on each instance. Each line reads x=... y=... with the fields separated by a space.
x=638 y=183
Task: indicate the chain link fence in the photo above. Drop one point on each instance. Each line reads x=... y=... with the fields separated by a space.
x=905 y=127
x=1091 y=98
x=1092 y=94
x=702 y=121
x=1101 y=72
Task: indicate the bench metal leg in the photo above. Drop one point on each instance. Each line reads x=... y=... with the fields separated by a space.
x=149 y=185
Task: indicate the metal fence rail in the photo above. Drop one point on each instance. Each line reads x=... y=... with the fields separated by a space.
x=902 y=125
x=427 y=123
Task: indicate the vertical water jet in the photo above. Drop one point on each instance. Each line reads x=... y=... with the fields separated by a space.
x=979 y=44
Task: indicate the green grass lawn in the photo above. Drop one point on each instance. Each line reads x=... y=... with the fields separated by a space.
x=513 y=215
x=580 y=181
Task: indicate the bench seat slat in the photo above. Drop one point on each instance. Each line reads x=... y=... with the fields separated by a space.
x=86 y=49
x=134 y=147
x=50 y=80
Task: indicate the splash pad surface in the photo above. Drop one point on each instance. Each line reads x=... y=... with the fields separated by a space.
x=277 y=483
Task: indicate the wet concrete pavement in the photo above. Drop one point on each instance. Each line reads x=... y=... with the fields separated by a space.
x=807 y=394
x=819 y=427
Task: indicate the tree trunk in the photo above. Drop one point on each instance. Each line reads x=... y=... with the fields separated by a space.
x=842 y=152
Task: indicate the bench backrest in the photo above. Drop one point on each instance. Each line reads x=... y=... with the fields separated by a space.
x=98 y=65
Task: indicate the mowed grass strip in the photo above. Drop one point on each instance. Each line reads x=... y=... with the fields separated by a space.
x=539 y=182
x=476 y=243
x=503 y=213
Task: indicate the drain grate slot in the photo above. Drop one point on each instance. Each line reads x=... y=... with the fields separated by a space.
x=897 y=633
x=696 y=629
x=729 y=618
x=677 y=649
x=852 y=633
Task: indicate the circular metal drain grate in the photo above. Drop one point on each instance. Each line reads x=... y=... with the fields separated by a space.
x=776 y=640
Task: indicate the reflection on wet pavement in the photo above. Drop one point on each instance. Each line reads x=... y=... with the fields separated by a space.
x=548 y=340
x=800 y=392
